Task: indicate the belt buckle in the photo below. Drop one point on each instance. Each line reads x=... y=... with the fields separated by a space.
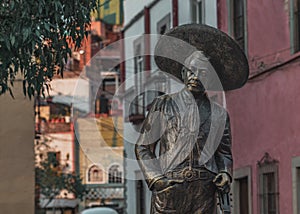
x=188 y=174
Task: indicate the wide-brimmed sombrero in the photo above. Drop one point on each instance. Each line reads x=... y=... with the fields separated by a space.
x=224 y=54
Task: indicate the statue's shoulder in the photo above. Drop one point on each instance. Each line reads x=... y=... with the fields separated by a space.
x=159 y=101
x=164 y=102
x=218 y=109
x=166 y=98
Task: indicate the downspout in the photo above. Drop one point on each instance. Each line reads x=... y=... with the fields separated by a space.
x=175 y=12
x=122 y=65
x=147 y=65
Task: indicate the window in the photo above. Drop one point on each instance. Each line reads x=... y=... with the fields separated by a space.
x=140 y=193
x=239 y=22
x=296 y=184
x=54 y=158
x=95 y=174
x=242 y=190
x=138 y=69
x=295 y=25
x=243 y=203
x=268 y=193
x=101 y=105
x=298 y=188
x=106 y=5
x=197 y=11
x=138 y=59
x=268 y=186
x=114 y=174
x=164 y=24
x=139 y=104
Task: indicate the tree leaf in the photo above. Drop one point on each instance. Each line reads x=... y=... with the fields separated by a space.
x=47 y=26
x=12 y=5
x=29 y=27
x=7 y=43
x=12 y=39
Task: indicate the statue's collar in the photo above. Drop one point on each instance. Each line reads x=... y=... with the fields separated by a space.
x=189 y=98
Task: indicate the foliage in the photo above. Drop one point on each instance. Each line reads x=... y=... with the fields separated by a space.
x=35 y=38
x=50 y=181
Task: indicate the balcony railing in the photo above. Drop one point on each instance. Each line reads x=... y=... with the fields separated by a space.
x=105 y=191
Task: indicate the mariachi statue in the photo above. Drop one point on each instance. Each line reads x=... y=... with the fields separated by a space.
x=184 y=149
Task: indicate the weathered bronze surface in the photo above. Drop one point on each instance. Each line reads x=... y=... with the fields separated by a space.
x=223 y=52
x=192 y=133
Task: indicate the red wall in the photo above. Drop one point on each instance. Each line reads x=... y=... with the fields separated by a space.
x=265 y=114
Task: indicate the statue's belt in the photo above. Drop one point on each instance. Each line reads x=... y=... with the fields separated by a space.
x=188 y=174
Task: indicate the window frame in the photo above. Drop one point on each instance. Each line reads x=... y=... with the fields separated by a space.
x=139 y=63
x=100 y=169
x=263 y=169
x=140 y=191
x=295 y=180
x=118 y=177
x=196 y=3
x=294 y=30
x=230 y=6
x=244 y=172
x=165 y=21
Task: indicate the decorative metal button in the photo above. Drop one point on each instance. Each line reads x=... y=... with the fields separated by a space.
x=188 y=174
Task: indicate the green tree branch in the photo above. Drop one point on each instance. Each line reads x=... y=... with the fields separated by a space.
x=35 y=38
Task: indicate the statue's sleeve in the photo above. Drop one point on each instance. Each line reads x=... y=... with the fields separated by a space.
x=224 y=154
x=145 y=147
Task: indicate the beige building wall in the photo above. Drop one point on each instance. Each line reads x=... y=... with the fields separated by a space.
x=95 y=137
x=16 y=153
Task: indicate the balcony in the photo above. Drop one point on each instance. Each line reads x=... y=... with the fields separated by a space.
x=105 y=191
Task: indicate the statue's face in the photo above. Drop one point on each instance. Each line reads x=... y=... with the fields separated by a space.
x=195 y=76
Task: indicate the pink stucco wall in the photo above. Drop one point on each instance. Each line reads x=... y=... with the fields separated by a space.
x=267 y=30
x=265 y=113
x=264 y=119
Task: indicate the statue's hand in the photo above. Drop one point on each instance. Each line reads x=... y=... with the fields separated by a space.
x=164 y=183
x=222 y=181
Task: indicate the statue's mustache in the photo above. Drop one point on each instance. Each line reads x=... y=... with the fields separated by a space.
x=194 y=80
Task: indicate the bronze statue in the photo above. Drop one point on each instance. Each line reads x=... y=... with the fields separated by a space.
x=193 y=133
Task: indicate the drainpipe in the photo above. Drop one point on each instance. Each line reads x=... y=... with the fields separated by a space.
x=147 y=66
x=73 y=157
x=175 y=12
x=122 y=65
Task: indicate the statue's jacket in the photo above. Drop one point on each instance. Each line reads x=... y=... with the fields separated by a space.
x=181 y=132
